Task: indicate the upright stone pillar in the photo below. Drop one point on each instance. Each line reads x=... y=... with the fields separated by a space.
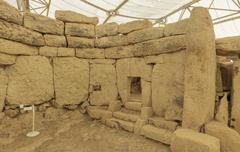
x=200 y=70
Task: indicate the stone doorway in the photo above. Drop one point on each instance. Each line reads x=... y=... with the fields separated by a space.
x=135 y=91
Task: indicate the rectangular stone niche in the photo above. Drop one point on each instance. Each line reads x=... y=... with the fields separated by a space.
x=135 y=88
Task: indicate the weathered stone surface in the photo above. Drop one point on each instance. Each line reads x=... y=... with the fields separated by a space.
x=146 y=112
x=48 y=51
x=109 y=29
x=111 y=41
x=133 y=26
x=175 y=110
x=167 y=82
x=79 y=42
x=10 y=13
x=82 y=30
x=176 y=28
x=119 y=52
x=154 y=59
x=3 y=88
x=145 y=34
x=15 y=48
x=43 y=24
x=55 y=40
x=132 y=67
x=222 y=110
x=71 y=80
x=200 y=70
x=229 y=138
x=67 y=52
x=159 y=46
x=161 y=123
x=186 y=140
x=91 y=53
x=115 y=106
x=6 y=59
x=20 y=34
x=228 y=45
x=97 y=112
x=103 y=88
x=30 y=80
x=102 y=61
x=146 y=93
x=139 y=125
x=70 y=16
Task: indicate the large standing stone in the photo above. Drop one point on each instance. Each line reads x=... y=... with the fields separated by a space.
x=167 y=82
x=20 y=34
x=229 y=138
x=16 y=48
x=134 y=25
x=80 y=42
x=186 y=140
x=103 y=75
x=3 y=88
x=200 y=70
x=70 y=16
x=6 y=59
x=131 y=67
x=43 y=24
x=30 y=80
x=145 y=34
x=71 y=80
x=82 y=30
x=10 y=13
x=109 y=29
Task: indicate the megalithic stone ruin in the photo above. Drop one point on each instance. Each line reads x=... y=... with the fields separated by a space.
x=200 y=69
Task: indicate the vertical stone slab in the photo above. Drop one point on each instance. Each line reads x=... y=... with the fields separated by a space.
x=3 y=87
x=200 y=70
x=236 y=96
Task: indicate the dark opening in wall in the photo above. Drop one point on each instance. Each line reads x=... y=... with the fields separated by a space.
x=135 y=86
x=97 y=87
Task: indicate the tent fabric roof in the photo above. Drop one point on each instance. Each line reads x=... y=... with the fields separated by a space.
x=149 y=9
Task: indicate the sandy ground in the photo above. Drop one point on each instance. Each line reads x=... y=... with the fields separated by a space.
x=70 y=132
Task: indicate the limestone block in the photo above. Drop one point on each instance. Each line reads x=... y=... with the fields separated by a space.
x=20 y=34
x=153 y=59
x=119 y=52
x=6 y=59
x=222 y=110
x=167 y=82
x=111 y=41
x=162 y=123
x=229 y=138
x=70 y=16
x=78 y=29
x=55 y=40
x=71 y=80
x=15 y=48
x=146 y=93
x=43 y=24
x=102 y=61
x=115 y=106
x=146 y=112
x=96 y=112
x=9 y=13
x=186 y=140
x=139 y=125
x=160 y=46
x=200 y=70
x=176 y=28
x=109 y=29
x=145 y=34
x=90 y=53
x=219 y=81
x=48 y=51
x=134 y=25
x=175 y=110
x=162 y=135
x=131 y=67
x=30 y=80
x=79 y=42
x=228 y=45
x=103 y=88
x=66 y=52
x=3 y=88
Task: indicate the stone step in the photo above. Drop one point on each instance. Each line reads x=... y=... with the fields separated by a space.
x=162 y=135
x=134 y=100
x=162 y=123
x=117 y=123
x=133 y=106
x=126 y=116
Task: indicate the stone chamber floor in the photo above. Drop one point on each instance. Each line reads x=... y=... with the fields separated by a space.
x=70 y=131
